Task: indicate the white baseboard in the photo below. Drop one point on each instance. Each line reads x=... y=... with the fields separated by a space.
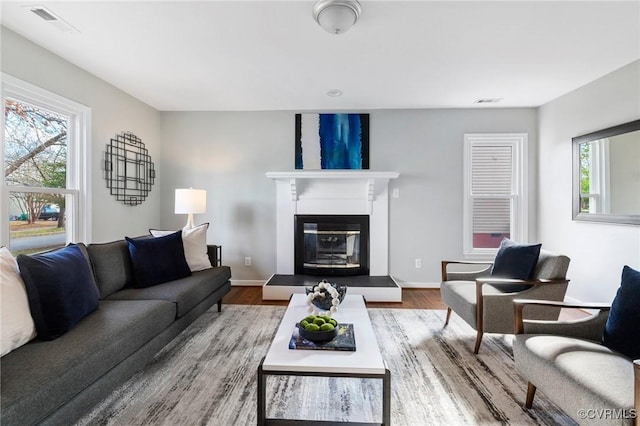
x=416 y=284
x=571 y=300
x=247 y=283
x=578 y=302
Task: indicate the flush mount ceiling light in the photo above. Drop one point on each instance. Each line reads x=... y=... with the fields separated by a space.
x=334 y=93
x=336 y=16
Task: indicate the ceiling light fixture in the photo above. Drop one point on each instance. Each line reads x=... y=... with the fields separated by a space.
x=336 y=16
x=334 y=93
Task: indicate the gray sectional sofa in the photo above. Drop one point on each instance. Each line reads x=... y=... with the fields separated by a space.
x=57 y=381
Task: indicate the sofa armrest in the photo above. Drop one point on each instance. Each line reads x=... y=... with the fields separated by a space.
x=466 y=275
x=215 y=254
x=590 y=327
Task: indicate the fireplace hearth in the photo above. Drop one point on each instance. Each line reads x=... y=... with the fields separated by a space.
x=331 y=245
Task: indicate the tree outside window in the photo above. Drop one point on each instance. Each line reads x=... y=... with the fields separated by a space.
x=585 y=176
x=35 y=156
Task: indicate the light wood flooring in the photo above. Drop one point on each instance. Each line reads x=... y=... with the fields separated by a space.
x=412 y=298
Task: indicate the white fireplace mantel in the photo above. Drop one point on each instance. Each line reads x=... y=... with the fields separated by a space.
x=333 y=192
x=333 y=174
x=369 y=179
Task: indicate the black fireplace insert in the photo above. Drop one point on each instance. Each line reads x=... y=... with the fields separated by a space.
x=332 y=245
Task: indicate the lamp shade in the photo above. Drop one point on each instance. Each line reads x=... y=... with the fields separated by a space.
x=336 y=16
x=191 y=201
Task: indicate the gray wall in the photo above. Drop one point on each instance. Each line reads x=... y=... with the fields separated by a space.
x=598 y=251
x=228 y=153
x=112 y=111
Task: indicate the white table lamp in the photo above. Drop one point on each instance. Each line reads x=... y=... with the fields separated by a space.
x=191 y=201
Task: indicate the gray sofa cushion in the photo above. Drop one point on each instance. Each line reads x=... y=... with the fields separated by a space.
x=185 y=292
x=41 y=376
x=575 y=373
x=112 y=266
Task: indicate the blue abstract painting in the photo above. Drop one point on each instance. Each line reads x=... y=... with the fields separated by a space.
x=332 y=141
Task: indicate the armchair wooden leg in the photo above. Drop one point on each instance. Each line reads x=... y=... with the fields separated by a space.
x=446 y=320
x=531 y=392
x=478 y=341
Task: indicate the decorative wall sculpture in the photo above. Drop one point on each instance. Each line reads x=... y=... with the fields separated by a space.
x=332 y=141
x=128 y=169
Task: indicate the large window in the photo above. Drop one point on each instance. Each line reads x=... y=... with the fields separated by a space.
x=495 y=202
x=45 y=180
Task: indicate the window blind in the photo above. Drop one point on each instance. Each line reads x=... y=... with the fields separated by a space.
x=491 y=188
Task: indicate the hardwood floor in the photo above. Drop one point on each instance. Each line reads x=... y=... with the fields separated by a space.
x=412 y=298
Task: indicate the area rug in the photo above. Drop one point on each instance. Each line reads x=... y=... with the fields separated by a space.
x=207 y=376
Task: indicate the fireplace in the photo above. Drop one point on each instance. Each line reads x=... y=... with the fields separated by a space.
x=331 y=245
x=333 y=192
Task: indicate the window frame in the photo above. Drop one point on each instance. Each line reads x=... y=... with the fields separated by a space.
x=519 y=190
x=78 y=186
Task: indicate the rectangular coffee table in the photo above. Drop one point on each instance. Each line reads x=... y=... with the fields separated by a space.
x=366 y=362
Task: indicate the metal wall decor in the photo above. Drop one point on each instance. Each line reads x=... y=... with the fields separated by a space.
x=128 y=169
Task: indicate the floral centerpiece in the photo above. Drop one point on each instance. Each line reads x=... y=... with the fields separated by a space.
x=325 y=296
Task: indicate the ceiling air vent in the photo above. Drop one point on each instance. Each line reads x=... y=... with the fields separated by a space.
x=51 y=18
x=488 y=100
x=44 y=13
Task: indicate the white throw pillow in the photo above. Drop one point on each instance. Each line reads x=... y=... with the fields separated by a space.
x=16 y=324
x=194 y=241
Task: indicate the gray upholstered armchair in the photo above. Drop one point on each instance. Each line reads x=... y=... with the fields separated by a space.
x=484 y=304
x=567 y=362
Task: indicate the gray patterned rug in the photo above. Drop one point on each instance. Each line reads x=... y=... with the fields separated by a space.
x=207 y=376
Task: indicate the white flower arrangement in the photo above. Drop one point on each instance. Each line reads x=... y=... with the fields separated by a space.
x=321 y=291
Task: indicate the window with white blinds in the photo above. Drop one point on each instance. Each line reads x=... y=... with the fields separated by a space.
x=494 y=205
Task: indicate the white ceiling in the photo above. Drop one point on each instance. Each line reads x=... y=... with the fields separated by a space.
x=271 y=55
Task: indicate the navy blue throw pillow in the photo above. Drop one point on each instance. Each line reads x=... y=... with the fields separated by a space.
x=623 y=324
x=60 y=288
x=158 y=260
x=515 y=261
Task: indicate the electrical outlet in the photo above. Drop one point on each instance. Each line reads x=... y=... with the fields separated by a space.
x=418 y=263
x=247 y=261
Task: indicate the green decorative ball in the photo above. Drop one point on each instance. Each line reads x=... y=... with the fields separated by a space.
x=319 y=321
x=312 y=327
x=327 y=327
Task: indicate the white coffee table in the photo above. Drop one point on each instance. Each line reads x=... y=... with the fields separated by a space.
x=365 y=362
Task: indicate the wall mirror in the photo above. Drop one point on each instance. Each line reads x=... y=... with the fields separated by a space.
x=606 y=175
